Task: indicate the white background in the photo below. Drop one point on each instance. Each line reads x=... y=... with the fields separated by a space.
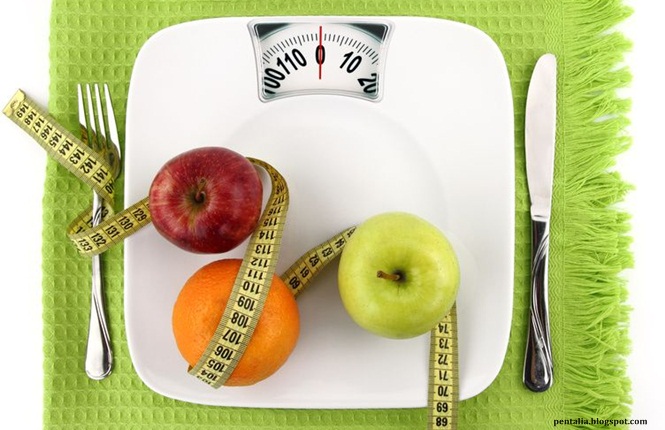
x=25 y=65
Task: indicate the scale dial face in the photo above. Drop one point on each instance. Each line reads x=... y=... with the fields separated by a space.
x=325 y=56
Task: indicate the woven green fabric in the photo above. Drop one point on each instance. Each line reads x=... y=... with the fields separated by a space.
x=98 y=40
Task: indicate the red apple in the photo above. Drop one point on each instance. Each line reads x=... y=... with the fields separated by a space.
x=206 y=200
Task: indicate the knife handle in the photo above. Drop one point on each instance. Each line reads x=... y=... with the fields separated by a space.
x=538 y=367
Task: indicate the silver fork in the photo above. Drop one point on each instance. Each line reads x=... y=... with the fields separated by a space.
x=95 y=115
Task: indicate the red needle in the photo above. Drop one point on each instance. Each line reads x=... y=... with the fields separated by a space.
x=320 y=53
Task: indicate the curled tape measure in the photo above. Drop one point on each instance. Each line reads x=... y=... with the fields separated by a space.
x=253 y=281
x=250 y=289
x=86 y=164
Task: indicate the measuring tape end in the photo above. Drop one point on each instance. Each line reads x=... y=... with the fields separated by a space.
x=17 y=98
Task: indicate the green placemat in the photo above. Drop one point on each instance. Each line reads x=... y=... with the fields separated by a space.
x=97 y=40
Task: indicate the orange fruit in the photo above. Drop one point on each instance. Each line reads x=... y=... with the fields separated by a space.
x=198 y=310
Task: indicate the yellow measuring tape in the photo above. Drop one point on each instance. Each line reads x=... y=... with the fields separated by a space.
x=443 y=387
x=86 y=164
x=301 y=273
x=253 y=281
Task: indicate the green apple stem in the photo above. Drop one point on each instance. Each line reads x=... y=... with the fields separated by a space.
x=390 y=276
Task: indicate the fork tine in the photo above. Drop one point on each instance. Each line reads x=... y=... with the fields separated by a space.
x=100 y=118
x=93 y=142
x=112 y=138
x=110 y=116
x=97 y=121
x=83 y=123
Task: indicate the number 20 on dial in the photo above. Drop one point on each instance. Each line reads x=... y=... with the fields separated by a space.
x=296 y=57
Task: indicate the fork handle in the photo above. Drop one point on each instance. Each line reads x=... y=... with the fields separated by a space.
x=538 y=367
x=98 y=357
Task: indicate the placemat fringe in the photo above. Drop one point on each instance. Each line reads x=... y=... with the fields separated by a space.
x=595 y=241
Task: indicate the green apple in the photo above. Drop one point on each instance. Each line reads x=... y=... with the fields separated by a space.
x=398 y=275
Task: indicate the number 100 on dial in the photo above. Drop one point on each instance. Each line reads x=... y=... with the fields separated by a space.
x=309 y=56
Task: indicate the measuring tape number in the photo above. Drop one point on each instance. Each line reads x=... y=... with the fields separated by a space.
x=252 y=283
x=301 y=273
x=443 y=387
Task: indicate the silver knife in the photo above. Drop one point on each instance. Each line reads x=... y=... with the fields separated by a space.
x=540 y=130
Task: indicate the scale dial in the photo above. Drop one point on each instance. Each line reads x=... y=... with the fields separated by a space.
x=310 y=56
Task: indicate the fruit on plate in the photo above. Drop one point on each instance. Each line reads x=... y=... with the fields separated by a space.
x=206 y=200
x=398 y=275
x=198 y=310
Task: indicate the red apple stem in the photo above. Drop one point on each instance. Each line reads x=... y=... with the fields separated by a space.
x=200 y=194
x=390 y=276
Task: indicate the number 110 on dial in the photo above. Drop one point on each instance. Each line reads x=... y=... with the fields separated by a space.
x=308 y=56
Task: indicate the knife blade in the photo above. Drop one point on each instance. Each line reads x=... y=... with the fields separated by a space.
x=540 y=138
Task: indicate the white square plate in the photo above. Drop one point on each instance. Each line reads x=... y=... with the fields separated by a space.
x=439 y=144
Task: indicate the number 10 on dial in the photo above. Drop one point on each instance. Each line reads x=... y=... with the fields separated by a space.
x=299 y=56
